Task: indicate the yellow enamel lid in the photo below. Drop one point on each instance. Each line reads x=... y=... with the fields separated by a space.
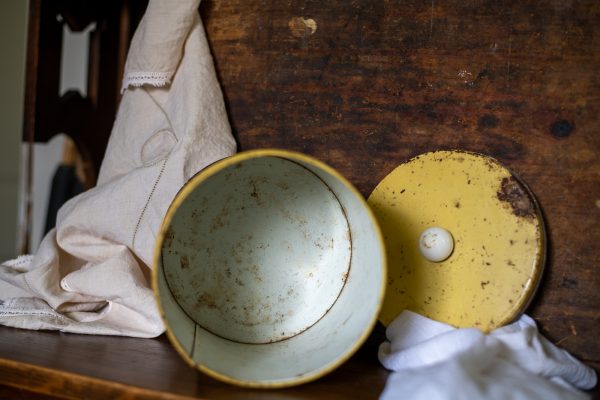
x=498 y=250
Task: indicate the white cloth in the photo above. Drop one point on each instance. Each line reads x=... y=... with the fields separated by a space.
x=91 y=273
x=433 y=360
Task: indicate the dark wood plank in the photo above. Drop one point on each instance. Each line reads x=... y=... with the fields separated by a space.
x=379 y=82
x=97 y=367
x=87 y=119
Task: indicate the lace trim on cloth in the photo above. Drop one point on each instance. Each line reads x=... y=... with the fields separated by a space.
x=21 y=261
x=140 y=78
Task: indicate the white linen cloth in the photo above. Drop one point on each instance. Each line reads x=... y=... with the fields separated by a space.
x=91 y=273
x=433 y=360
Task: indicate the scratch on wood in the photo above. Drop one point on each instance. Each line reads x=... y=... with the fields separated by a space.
x=509 y=51
x=558 y=343
x=508 y=63
x=573 y=330
x=431 y=21
x=573 y=333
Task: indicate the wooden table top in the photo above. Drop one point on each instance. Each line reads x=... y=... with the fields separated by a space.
x=103 y=367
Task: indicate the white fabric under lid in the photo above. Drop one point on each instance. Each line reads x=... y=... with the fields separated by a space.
x=433 y=360
x=91 y=273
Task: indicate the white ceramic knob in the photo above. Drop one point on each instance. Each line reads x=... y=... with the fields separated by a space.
x=436 y=244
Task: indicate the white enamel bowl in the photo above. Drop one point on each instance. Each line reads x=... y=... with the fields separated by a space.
x=269 y=269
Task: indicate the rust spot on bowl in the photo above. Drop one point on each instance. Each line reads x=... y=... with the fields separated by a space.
x=344 y=276
x=184 y=262
x=207 y=300
x=169 y=236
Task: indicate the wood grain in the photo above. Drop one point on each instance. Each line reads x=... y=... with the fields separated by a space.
x=379 y=82
x=96 y=367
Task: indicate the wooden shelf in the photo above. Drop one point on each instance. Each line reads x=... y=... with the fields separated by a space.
x=102 y=367
x=376 y=84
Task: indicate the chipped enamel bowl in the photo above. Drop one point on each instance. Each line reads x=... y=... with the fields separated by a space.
x=269 y=269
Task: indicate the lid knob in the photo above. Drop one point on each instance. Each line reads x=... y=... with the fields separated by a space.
x=436 y=244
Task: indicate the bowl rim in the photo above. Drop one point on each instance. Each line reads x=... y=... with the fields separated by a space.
x=186 y=190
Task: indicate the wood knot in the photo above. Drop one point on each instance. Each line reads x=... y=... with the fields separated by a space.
x=300 y=27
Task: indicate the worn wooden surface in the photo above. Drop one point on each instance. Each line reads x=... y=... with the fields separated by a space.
x=96 y=367
x=365 y=85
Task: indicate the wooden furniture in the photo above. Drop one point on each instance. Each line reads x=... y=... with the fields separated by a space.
x=363 y=86
x=92 y=367
x=86 y=119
